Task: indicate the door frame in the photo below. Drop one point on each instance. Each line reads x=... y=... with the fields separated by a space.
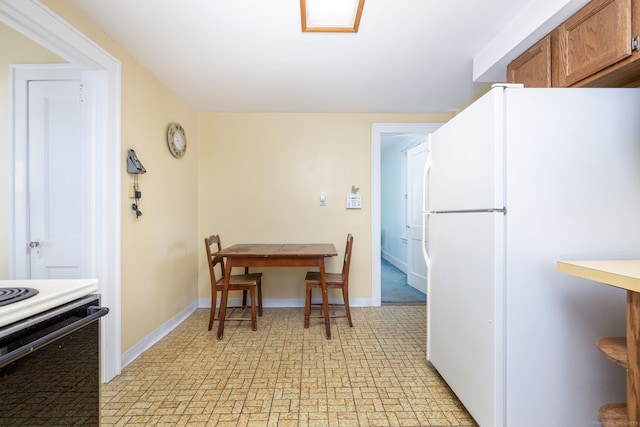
x=377 y=132
x=102 y=77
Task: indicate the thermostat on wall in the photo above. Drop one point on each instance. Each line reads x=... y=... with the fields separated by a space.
x=354 y=201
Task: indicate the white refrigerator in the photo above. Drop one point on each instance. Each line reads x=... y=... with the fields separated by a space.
x=520 y=179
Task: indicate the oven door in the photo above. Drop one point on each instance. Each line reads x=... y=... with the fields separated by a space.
x=50 y=367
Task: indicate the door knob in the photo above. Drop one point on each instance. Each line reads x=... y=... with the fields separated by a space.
x=34 y=244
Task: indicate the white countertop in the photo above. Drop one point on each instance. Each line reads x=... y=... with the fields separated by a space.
x=52 y=293
x=623 y=274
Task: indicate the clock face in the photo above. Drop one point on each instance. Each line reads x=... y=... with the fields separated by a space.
x=177 y=140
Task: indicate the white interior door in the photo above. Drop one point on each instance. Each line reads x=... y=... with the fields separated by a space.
x=57 y=190
x=416 y=265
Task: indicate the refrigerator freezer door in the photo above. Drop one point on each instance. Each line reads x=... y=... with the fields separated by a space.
x=467 y=158
x=466 y=315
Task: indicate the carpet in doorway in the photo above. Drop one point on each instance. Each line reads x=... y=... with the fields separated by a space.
x=395 y=288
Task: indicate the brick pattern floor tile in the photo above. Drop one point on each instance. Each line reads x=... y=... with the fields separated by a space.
x=374 y=374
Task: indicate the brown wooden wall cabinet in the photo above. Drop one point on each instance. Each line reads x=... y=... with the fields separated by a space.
x=533 y=67
x=596 y=47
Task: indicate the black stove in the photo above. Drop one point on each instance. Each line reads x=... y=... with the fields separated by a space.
x=50 y=364
x=9 y=295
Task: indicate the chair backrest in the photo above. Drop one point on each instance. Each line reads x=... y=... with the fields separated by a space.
x=213 y=245
x=347 y=258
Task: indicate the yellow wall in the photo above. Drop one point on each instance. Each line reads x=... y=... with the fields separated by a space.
x=249 y=177
x=159 y=250
x=14 y=49
x=260 y=180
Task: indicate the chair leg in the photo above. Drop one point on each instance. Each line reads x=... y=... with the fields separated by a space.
x=307 y=307
x=345 y=297
x=244 y=298
x=254 y=320
x=214 y=297
x=259 y=299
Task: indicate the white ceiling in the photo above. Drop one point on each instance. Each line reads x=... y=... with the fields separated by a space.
x=409 y=56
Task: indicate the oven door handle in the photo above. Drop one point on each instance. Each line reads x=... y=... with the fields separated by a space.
x=94 y=313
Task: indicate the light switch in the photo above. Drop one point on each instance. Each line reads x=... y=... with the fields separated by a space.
x=323 y=199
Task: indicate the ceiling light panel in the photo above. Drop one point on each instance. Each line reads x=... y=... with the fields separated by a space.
x=331 y=15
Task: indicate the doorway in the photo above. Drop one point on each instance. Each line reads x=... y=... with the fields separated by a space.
x=392 y=139
x=403 y=269
x=102 y=80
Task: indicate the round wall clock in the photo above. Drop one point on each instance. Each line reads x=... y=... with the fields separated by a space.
x=177 y=140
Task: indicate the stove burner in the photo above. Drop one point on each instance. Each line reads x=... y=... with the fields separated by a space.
x=9 y=295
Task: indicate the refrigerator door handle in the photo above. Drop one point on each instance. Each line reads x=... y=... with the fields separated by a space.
x=425 y=176
x=425 y=252
x=492 y=210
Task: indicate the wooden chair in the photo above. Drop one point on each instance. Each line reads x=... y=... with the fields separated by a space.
x=238 y=282
x=333 y=281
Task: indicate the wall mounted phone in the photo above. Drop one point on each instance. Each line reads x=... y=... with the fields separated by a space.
x=133 y=164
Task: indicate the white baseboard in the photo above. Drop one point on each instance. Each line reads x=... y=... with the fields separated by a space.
x=400 y=265
x=288 y=302
x=135 y=351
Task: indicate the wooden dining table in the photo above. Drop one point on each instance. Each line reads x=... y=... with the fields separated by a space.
x=276 y=255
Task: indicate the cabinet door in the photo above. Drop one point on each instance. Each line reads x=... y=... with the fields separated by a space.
x=597 y=36
x=533 y=67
